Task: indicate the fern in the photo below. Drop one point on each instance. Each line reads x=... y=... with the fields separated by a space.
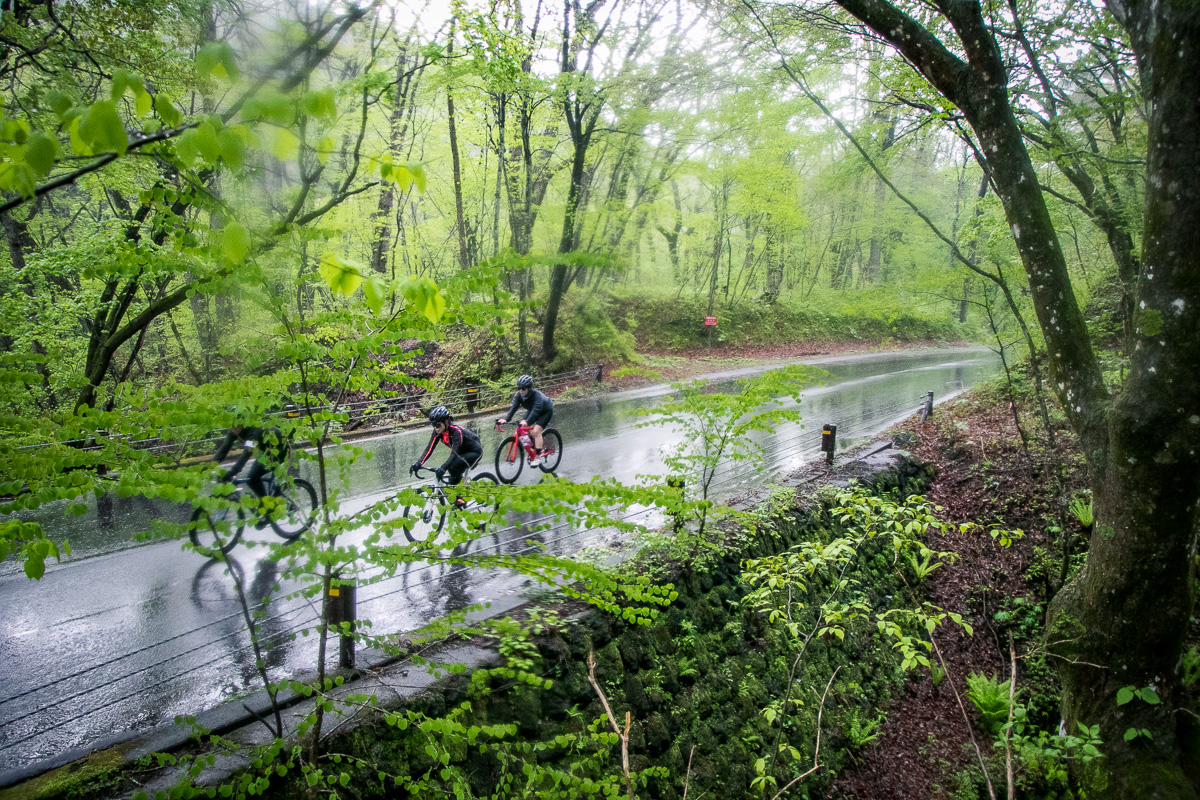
x=990 y=696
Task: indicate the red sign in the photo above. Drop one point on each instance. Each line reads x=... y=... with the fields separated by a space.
x=710 y=321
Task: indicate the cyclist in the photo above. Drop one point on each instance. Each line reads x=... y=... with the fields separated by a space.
x=465 y=448
x=539 y=410
x=267 y=448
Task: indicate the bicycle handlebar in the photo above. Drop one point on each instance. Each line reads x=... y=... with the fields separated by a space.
x=417 y=472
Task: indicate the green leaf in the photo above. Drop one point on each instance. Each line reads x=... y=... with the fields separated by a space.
x=285 y=145
x=232 y=148
x=418 y=173
x=187 y=148
x=206 y=141
x=320 y=104
x=1149 y=696
x=142 y=102
x=397 y=175
x=170 y=115
x=1131 y=734
x=374 y=292
x=216 y=58
x=102 y=128
x=325 y=147
x=341 y=277
x=35 y=567
x=41 y=152
x=235 y=243
x=59 y=103
x=423 y=294
x=1124 y=695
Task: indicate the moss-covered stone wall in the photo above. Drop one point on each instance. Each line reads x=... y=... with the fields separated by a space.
x=699 y=677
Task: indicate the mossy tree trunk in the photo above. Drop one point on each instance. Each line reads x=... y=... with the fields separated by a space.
x=1123 y=619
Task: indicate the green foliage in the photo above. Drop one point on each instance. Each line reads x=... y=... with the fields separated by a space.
x=1148 y=695
x=1081 y=508
x=990 y=696
x=860 y=732
x=718 y=429
x=1046 y=759
x=675 y=322
x=587 y=334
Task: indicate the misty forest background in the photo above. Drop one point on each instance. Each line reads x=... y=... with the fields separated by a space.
x=686 y=156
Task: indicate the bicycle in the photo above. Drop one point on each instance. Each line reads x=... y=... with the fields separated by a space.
x=218 y=530
x=428 y=518
x=509 y=456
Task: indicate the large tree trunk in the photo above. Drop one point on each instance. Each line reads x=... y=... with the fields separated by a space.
x=566 y=243
x=1122 y=620
x=456 y=170
x=1131 y=605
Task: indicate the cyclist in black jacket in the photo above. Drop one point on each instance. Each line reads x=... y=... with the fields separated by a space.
x=268 y=449
x=539 y=410
x=465 y=448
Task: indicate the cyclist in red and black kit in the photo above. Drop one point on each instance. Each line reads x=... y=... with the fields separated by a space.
x=539 y=410
x=465 y=448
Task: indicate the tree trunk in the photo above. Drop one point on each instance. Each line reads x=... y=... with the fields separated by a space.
x=1122 y=620
x=566 y=243
x=1131 y=605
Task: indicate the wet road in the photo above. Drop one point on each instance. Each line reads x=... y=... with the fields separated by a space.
x=125 y=635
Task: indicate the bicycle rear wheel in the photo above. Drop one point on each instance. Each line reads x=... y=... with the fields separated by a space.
x=486 y=509
x=300 y=511
x=426 y=520
x=551 y=450
x=510 y=458
x=217 y=530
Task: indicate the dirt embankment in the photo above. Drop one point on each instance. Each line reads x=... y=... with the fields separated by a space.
x=984 y=475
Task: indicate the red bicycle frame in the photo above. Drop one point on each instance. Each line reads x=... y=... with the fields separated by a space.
x=522 y=430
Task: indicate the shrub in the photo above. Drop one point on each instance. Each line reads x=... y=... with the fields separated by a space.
x=674 y=323
x=990 y=696
x=586 y=335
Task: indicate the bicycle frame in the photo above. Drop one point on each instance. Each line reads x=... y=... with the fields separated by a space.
x=513 y=450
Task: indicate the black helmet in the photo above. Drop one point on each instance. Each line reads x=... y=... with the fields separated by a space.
x=439 y=414
x=525 y=382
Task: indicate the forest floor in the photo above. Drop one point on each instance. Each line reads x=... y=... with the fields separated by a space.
x=924 y=747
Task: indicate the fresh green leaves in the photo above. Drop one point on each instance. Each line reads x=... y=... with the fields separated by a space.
x=341 y=276
x=235 y=243
x=29 y=541
x=216 y=59
x=1148 y=695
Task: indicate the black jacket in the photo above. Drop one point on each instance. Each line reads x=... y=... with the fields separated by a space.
x=268 y=445
x=534 y=403
x=459 y=440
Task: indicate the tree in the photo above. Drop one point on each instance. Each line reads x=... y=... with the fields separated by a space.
x=1123 y=618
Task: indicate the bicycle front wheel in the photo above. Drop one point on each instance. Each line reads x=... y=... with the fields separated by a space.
x=510 y=458
x=551 y=450
x=300 y=510
x=217 y=531
x=423 y=523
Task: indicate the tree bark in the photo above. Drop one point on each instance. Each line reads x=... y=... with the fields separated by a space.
x=1123 y=618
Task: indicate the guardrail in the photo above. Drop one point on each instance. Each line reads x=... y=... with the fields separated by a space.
x=402 y=408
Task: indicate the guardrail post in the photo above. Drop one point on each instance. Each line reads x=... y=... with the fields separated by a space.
x=472 y=398
x=343 y=608
x=927 y=409
x=599 y=373
x=829 y=442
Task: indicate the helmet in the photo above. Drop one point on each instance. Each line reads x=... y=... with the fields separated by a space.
x=439 y=414
x=525 y=382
